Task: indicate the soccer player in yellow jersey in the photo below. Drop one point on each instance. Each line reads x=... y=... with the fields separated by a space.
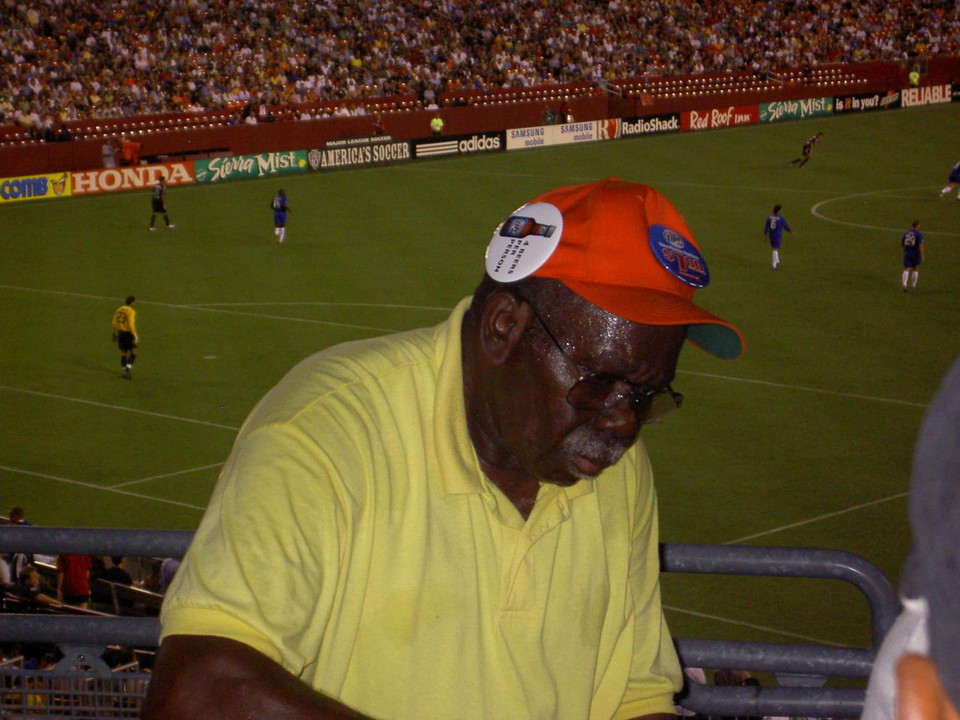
x=125 y=334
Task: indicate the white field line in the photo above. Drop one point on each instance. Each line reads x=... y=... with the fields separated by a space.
x=804 y=388
x=569 y=179
x=163 y=416
x=816 y=212
x=740 y=623
x=164 y=476
x=818 y=518
x=92 y=486
x=320 y=303
x=211 y=308
x=786 y=386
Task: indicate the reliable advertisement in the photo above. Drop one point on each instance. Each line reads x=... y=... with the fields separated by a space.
x=249 y=166
x=795 y=109
x=930 y=95
x=34 y=187
x=131 y=178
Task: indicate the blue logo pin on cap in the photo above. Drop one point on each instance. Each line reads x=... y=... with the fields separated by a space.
x=679 y=256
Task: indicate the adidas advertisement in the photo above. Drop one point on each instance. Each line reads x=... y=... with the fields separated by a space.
x=460 y=145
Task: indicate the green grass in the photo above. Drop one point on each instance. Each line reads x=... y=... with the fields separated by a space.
x=807 y=440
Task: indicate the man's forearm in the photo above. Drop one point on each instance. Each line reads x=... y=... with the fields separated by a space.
x=207 y=678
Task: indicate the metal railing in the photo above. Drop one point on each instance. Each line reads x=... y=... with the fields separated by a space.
x=805 y=667
x=802 y=669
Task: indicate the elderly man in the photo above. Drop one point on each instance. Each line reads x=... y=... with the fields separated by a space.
x=458 y=522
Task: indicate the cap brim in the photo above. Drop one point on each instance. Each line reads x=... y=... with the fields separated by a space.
x=653 y=307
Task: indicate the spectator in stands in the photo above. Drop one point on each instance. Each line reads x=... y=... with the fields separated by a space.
x=5 y=577
x=117 y=574
x=109 y=153
x=17 y=516
x=130 y=151
x=328 y=51
x=168 y=569
x=18 y=560
x=152 y=581
x=73 y=579
x=403 y=472
x=916 y=675
x=29 y=588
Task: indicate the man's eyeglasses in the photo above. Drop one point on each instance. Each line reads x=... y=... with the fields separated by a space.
x=600 y=390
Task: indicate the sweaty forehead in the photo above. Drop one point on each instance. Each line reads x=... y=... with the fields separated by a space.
x=609 y=343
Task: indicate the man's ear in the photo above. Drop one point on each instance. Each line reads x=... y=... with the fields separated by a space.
x=505 y=318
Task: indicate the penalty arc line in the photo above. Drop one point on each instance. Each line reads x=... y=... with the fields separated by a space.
x=815 y=211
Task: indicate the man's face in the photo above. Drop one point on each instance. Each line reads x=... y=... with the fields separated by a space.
x=557 y=442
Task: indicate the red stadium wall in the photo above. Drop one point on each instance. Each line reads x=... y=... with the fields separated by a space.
x=479 y=114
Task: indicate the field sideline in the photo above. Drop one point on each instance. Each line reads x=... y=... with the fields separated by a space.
x=807 y=440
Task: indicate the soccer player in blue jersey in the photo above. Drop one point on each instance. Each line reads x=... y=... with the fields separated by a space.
x=952 y=181
x=773 y=231
x=912 y=244
x=280 y=210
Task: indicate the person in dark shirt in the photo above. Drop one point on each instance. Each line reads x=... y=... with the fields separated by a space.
x=807 y=150
x=28 y=588
x=116 y=573
x=158 y=203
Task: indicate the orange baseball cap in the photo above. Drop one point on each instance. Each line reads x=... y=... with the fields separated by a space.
x=620 y=245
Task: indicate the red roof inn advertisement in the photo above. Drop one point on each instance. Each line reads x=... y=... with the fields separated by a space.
x=720 y=117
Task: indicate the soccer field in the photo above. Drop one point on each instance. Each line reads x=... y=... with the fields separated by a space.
x=806 y=440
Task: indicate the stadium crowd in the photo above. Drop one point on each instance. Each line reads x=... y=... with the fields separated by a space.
x=66 y=59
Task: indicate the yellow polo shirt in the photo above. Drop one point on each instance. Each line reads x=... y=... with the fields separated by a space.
x=353 y=538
